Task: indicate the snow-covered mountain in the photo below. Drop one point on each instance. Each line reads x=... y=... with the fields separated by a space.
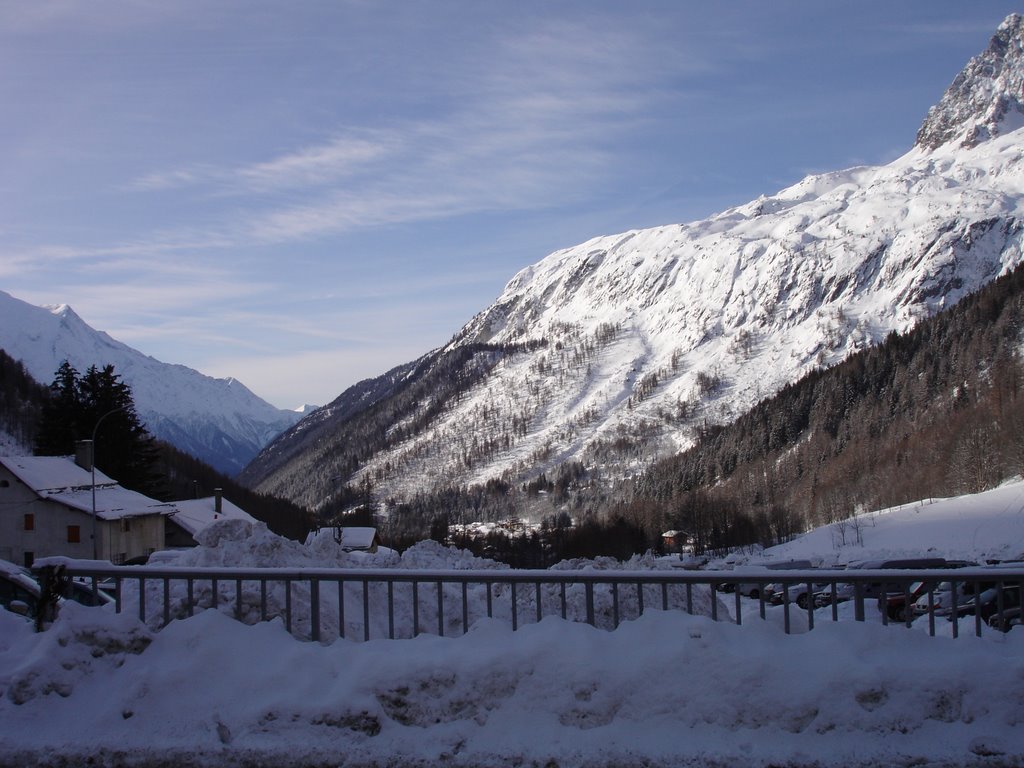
x=216 y=420
x=617 y=351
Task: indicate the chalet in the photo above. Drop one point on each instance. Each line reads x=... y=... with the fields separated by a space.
x=46 y=509
x=349 y=539
x=193 y=515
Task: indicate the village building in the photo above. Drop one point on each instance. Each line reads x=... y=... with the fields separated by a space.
x=47 y=506
x=348 y=538
x=193 y=515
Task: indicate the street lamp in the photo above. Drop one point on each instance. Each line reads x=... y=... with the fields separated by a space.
x=92 y=465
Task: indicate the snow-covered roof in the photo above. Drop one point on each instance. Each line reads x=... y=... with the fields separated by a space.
x=351 y=537
x=42 y=473
x=112 y=502
x=59 y=479
x=195 y=514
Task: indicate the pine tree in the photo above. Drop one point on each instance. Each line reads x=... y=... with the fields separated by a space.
x=62 y=419
x=98 y=405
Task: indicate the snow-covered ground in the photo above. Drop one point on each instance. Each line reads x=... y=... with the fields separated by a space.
x=668 y=689
x=979 y=527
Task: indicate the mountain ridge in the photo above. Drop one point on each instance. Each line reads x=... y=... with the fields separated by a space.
x=629 y=344
x=219 y=421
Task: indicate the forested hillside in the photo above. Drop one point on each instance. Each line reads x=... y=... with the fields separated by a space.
x=936 y=411
x=314 y=462
x=21 y=399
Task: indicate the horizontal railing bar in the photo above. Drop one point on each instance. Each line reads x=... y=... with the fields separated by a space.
x=77 y=567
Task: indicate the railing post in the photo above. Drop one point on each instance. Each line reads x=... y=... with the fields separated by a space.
x=810 y=605
x=785 y=606
x=366 y=609
x=955 y=614
x=415 y=607
x=515 y=609
x=314 y=609
x=440 y=608
x=288 y=604
x=341 y=608
x=142 y=599
x=391 y=609
x=589 y=588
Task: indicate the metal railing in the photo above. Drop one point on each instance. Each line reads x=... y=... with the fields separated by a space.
x=324 y=604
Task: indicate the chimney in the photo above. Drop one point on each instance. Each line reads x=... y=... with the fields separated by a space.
x=218 y=501
x=83 y=454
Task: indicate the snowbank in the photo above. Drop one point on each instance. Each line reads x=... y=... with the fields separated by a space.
x=667 y=690
x=238 y=543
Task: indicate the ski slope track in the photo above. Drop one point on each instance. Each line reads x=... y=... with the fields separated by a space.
x=628 y=344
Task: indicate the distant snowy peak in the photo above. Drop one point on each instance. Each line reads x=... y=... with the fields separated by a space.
x=217 y=420
x=985 y=99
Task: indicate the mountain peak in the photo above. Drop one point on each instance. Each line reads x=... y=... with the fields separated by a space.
x=985 y=99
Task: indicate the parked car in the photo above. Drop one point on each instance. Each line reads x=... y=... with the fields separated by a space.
x=941 y=599
x=753 y=588
x=19 y=592
x=82 y=592
x=987 y=598
x=877 y=589
x=1006 y=619
x=820 y=593
x=900 y=604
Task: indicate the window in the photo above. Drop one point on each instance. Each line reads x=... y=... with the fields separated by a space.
x=30 y=558
x=30 y=522
x=5 y=483
x=74 y=534
x=126 y=525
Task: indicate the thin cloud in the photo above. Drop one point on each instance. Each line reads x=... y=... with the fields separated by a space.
x=535 y=128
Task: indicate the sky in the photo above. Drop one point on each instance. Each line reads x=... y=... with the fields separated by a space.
x=304 y=195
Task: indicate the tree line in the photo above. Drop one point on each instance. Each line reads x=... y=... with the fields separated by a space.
x=97 y=403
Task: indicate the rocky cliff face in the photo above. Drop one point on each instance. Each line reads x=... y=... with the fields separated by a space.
x=985 y=99
x=620 y=349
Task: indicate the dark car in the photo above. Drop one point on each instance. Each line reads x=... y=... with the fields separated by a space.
x=988 y=598
x=19 y=592
x=881 y=590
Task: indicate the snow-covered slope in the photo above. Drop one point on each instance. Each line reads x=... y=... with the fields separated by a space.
x=216 y=420
x=649 y=335
x=976 y=527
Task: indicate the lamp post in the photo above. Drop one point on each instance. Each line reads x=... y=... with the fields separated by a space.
x=92 y=466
